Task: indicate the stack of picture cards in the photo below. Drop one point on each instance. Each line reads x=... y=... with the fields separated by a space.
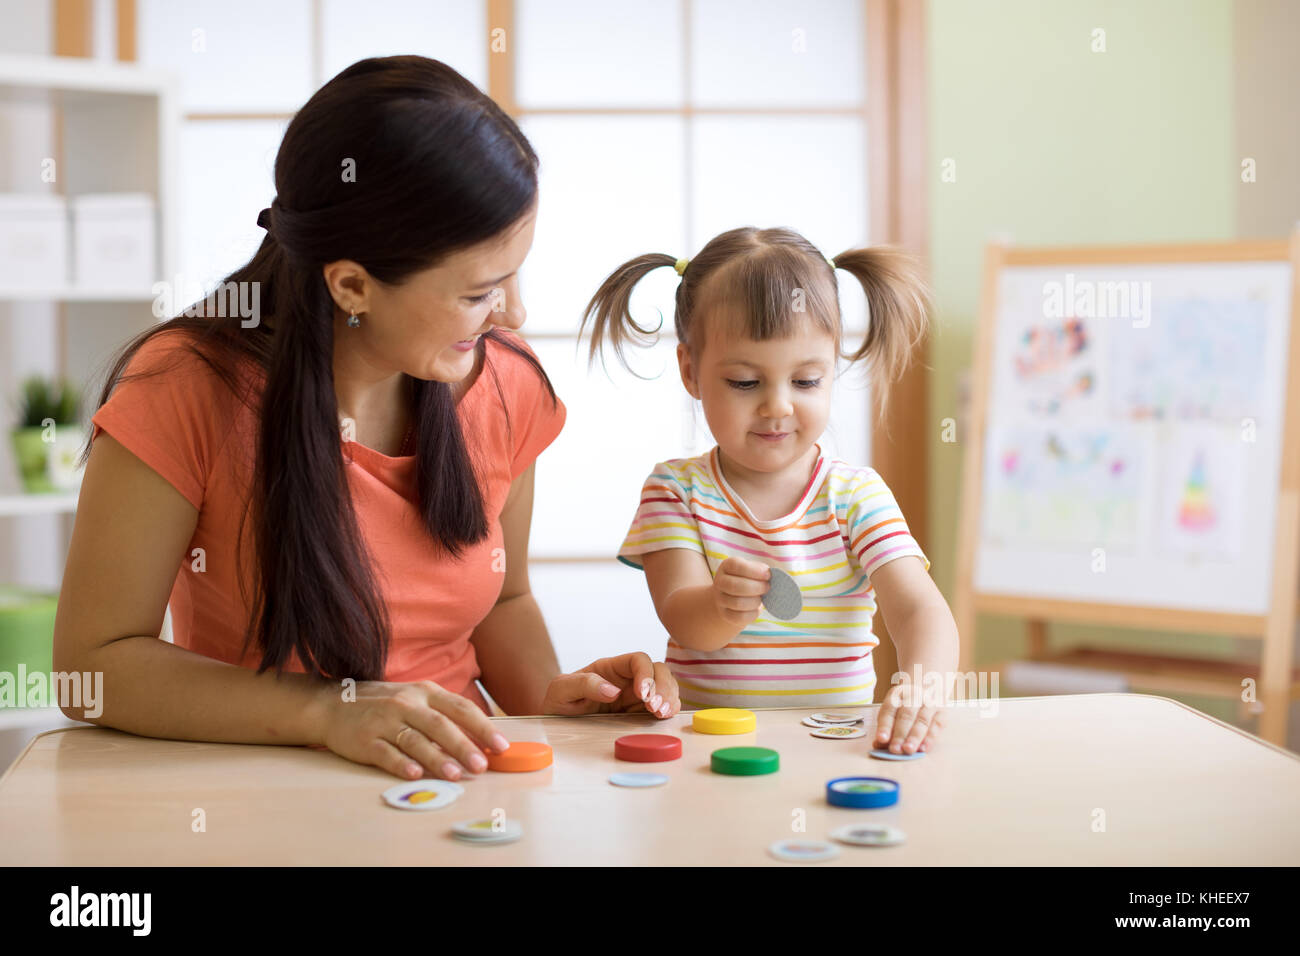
x=835 y=726
x=488 y=832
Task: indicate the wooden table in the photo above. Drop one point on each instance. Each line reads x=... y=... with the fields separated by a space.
x=1022 y=785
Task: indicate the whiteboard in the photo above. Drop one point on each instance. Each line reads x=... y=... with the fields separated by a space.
x=1132 y=448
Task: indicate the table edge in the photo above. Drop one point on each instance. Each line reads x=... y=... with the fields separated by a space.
x=1169 y=700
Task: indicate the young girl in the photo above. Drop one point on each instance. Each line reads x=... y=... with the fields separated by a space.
x=759 y=333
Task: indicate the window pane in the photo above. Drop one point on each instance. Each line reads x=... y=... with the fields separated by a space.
x=225 y=64
x=776 y=53
x=807 y=174
x=229 y=178
x=589 y=481
x=592 y=53
x=596 y=610
x=610 y=189
x=453 y=31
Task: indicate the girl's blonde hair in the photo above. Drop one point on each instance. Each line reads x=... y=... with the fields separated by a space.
x=759 y=283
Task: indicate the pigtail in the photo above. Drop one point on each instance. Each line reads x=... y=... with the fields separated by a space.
x=609 y=309
x=898 y=304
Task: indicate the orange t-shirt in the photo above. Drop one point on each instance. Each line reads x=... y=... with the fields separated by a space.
x=186 y=425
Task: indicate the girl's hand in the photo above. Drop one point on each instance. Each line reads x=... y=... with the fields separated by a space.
x=738 y=589
x=629 y=682
x=411 y=730
x=906 y=729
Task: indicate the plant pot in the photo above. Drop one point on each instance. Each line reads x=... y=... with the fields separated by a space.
x=61 y=464
x=32 y=454
x=26 y=634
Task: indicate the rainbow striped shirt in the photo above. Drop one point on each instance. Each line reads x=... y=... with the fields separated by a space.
x=845 y=526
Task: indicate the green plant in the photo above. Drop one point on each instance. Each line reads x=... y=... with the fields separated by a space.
x=43 y=398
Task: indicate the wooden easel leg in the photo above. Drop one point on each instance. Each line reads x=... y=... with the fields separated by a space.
x=1279 y=636
x=1036 y=633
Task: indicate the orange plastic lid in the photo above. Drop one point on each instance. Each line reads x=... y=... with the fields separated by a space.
x=521 y=756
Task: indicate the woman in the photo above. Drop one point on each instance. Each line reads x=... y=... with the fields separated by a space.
x=345 y=478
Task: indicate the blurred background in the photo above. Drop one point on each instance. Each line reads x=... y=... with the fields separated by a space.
x=931 y=124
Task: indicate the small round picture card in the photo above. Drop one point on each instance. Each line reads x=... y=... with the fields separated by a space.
x=487 y=832
x=638 y=779
x=883 y=754
x=423 y=794
x=858 y=834
x=782 y=599
x=803 y=851
x=841 y=732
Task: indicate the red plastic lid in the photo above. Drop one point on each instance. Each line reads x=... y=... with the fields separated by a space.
x=648 y=748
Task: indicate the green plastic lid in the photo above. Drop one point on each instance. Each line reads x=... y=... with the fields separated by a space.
x=745 y=761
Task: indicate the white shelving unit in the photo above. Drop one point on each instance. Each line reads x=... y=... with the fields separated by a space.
x=113 y=128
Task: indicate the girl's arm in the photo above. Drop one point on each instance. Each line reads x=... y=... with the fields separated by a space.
x=925 y=633
x=131 y=532
x=700 y=611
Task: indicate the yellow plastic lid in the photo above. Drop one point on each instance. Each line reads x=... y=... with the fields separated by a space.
x=724 y=720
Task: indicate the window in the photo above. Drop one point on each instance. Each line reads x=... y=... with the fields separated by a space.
x=658 y=124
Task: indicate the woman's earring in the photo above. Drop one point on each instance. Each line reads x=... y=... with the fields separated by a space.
x=353 y=321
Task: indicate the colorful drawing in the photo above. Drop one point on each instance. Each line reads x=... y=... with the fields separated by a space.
x=1199 y=360
x=1053 y=362
x=1202 y=493
x=1065 y=488
x=1195 y=511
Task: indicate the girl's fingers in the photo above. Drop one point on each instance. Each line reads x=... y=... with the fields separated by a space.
x=920 y=727
x=903 y=720
x=884 y=724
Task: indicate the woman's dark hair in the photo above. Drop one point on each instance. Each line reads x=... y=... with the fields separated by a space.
x=438 y=167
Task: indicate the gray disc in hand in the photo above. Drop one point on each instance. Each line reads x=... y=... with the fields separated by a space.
x=783 y=599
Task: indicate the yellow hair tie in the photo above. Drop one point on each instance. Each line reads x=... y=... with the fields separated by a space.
x=680 y=265
x=832 y=262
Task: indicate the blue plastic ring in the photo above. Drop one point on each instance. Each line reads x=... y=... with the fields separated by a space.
x=885 y=797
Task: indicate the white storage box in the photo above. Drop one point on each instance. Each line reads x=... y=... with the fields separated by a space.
x=33 y=241
x=113 y=241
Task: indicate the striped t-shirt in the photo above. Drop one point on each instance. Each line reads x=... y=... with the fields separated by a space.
x=845 y=526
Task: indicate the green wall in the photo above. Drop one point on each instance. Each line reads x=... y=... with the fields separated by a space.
x=1055 y=144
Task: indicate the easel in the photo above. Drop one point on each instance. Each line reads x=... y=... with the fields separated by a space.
x=1277 y=682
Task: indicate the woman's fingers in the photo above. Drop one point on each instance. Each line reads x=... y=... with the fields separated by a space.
x=476 y=724
x=387 y=757
x=667 y=687
x=432 y=757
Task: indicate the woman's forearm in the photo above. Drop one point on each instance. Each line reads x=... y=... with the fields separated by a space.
x=515 y=655
x=156 y=689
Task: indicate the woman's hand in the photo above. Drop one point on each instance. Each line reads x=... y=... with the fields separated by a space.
x=614 y=684
x=411 y=730
x=738 y=589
